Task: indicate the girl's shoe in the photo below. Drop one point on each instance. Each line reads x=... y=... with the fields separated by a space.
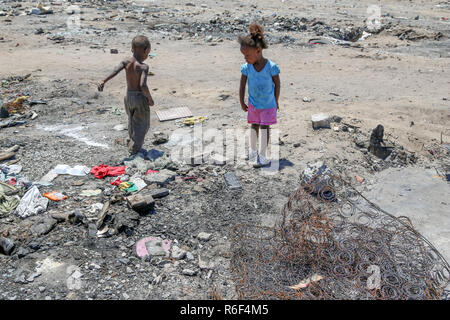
x=252 y=156
x=262 y=162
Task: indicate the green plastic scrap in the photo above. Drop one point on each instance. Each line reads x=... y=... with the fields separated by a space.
x=7 y=203
x=128 y=187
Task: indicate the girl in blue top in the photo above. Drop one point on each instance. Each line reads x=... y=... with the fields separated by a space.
x=263 y=80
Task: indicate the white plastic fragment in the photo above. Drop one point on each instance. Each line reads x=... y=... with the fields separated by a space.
x=32 y=203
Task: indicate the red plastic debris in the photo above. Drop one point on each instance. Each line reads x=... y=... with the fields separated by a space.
x=116 y=182
x=103 y=170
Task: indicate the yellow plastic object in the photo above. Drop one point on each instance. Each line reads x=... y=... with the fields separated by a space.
x=16 y=105
x=124 y=185
x=20 y=100
x=193 y=120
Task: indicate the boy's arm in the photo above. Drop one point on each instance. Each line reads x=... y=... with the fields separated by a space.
x=143 y=84
x=276 y=80
x=242 y=92
x=116 y=70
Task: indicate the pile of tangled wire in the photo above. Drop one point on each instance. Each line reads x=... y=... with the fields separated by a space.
x=332 y=243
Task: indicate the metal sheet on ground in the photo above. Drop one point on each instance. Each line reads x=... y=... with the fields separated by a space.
x=173 y=113
x=232 y=181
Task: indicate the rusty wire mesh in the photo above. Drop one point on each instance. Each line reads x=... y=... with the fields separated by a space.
x=327 y=228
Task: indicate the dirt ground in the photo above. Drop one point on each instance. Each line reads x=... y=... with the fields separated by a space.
x=398 y=78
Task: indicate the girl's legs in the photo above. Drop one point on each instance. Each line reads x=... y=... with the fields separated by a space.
x=264 y=129
x=254 y=136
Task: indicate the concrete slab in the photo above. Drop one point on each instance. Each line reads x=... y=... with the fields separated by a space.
x=417 y=194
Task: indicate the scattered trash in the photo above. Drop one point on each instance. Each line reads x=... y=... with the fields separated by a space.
x=153 y=154
x=32 y=203
x=306 y=99
x=306 y=282
x=103 y=170
x=96 y=207
x=33 y=102
x=12 y=169
x=160 y=138
x=232 y=181
x=114 y=51
x=154 y=244
x=8 y=153
x=7 y=203
x=55 y=196
x=359 y=179
x=141 y=202
x=320 y=120
x=159 y=193
x=11 y=123
x=120 y=127
x=62 y=217
x=128 y=187
x=194 y=120
x=320 y=41
x=17 y=105
x=116 y=111
x=161 y=178
x=48 y=178
x=6 y=246
x=174 y=113
x=105 y=232
x=40 y=10
x=329 y=41
x=78 y=171
x=116 y=182
x=364 y=36
x=102 y=215
x=91 y=193
x=78 y=183
x=138 y=183
x=319 y=172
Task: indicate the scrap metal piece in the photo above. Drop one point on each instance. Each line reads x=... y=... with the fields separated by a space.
x=232 y=181
x=173 y=113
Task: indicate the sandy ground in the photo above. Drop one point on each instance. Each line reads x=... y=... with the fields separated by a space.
x=380 y=80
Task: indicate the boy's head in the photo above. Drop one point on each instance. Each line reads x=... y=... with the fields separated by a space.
x=253 y=44
x=141 y=47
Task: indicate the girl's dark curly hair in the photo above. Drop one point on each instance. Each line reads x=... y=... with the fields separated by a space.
x=255 y=39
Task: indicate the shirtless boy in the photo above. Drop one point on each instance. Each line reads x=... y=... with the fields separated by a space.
x=138 y=98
